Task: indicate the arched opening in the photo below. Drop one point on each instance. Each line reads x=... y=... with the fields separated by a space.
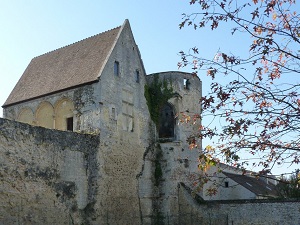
x=64 y=115
x=26 y=116
x=45 y=115
x=167 y=121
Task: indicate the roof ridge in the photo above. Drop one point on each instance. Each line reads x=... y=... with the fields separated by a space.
x=76 y=42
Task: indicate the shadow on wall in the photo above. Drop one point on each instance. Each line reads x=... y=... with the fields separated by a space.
x=60 y=116
x=167 y=121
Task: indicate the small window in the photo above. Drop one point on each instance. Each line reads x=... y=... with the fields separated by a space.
x=70 y=123
x=137 y=76
x=113 y=113
x=186 y=84
x=116 y=68
x=226 y=184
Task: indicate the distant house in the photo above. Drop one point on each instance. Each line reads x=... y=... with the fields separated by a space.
x=231 y=184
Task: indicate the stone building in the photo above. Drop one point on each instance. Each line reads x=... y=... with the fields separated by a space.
x=97 y=86
x=81 y=143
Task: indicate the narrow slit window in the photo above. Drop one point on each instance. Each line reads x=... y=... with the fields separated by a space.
x=116 y=68
x=137 y=76
x=70 y=123
x=113 y=113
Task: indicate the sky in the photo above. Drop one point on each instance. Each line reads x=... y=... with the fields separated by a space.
x=33 y=27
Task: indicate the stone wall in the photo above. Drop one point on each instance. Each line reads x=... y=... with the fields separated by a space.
x=238 y=212
x=51 y=111
x=46 y=176
x=174 y=161
x=116 y=107
x=185 y=101
x=54 y=177
x=125 y=137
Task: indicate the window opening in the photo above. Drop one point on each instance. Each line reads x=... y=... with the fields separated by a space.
x=186 y=84
x=70 y=123
x=226 y=184
x=137 y=76
x=116 y=68
x=113 y=113
x=167 y=122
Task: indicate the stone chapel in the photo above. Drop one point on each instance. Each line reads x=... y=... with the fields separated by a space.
x=96 y=86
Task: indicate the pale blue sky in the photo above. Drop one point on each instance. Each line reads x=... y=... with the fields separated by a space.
x=33 y=27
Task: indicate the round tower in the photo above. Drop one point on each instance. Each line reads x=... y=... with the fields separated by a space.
x=177 y=95
x=187 y=89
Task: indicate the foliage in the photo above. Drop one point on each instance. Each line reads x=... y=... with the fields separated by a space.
x=157 y=93
x=290 y=188
x=254 y=97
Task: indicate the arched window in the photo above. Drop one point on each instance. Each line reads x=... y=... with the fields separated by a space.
x=64 y=114
x=45 y=115
x=167 y=121
x=26 y=116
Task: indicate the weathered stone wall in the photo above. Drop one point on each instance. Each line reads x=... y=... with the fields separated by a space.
x=46 y=176
x=239 y=212
x=174 y=161
x=125 y=137
x=188 y=89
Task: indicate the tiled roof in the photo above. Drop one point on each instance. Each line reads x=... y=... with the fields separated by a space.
x=256 y=185
x=64 y=68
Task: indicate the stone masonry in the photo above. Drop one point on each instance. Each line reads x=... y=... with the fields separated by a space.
x=85 y=149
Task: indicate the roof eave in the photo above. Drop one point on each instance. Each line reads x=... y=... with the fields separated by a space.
x=47 y=94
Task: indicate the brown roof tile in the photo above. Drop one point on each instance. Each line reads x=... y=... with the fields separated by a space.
x=64 y=68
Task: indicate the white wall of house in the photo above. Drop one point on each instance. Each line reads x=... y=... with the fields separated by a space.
x=226 y=188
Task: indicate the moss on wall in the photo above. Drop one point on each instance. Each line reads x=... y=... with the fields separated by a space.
x=157 y=93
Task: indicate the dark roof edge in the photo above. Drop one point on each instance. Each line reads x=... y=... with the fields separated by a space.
x=54 y=92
